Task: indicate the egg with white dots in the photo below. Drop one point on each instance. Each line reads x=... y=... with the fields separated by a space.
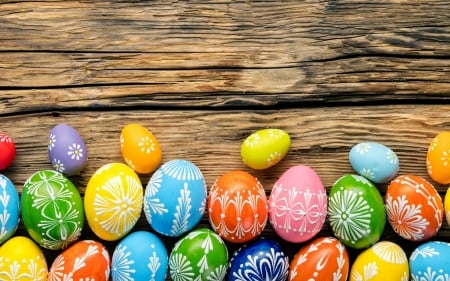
x=141 y=255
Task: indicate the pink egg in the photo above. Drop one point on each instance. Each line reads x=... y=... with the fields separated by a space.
x=298 y=204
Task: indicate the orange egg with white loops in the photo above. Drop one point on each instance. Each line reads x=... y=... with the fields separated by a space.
x=237 y=207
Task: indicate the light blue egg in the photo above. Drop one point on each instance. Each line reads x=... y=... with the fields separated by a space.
x=175 y=198
x=374 y=161
x=430 y=261
x=9 y=208
x=141 y=255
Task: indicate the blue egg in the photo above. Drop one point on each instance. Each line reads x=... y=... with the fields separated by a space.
x=141 y=255
x=175 y=198
x=374 y=161
x=259 y=260
x=430 y=261
x=9 y=208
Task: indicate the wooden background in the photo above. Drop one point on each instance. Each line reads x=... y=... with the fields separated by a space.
x=202 y=76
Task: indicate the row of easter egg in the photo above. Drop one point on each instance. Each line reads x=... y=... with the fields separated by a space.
x=202 y=255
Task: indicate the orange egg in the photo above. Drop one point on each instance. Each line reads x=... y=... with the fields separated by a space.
x=438 y=158
x=140 y=149
x=237 y=206
x=324 y=258
x=414 y=208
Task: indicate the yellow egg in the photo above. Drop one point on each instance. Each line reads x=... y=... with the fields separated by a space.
x=383 y=261
x=140 y=148
x=113 y=201
x=21 y=259
x=438 y=158
x=447 y=206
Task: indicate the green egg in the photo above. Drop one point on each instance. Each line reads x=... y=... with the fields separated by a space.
x=52 y=209
x=265 y=148
x=200 y=255
x=356 y=211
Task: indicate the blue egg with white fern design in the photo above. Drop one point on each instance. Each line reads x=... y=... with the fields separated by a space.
x=374 y=161
x=430 y=261
x=175 y=198
x=141 y=255
x=9 y=208
x=260 y=260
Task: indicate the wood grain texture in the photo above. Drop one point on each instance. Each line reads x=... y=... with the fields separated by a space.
x=202 y=76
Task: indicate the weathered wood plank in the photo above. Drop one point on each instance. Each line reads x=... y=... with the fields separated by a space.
x=178 y=54
x=321 y=138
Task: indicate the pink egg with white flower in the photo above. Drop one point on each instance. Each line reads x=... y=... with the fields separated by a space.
x=298 y=204
x=66 y=150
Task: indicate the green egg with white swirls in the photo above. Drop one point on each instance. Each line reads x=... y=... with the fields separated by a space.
x=52 y=210
x=356 y=211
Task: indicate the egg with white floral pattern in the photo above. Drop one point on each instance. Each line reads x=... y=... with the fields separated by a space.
x=438 y=158
x=356 y=211
x=265 y=148
x=374 y=161
x=384 y=260
x=21 y=259
x=84 y=260
x=259 y=260
x=67 y=150
x=140 y=149
x=9 y=208
x=324 y=258
x=141 y=255
x=414 y=207
x=113 y=201
x=200 y=255
x=175 y=198
x=430 y=262
x=52 y=209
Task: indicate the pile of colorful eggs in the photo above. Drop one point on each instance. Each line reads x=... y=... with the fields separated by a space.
x=176 y=198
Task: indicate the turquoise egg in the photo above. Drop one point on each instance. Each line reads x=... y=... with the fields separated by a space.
x=141 y=255
x=52 y=209
x=374 y=161
x=356 y=211
x=430 y=261
x=175 y=198
x=9 y=208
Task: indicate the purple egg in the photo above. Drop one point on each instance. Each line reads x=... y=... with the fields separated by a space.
x=66 y=150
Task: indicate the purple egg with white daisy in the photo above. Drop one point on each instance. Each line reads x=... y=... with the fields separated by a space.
x=67 y=150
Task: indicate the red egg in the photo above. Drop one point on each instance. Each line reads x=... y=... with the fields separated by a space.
x=7 y=151
x=84 y=260
x=237 y=206
x=324 y=258
x=414 y=208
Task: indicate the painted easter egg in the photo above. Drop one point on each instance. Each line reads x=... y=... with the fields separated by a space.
x=383 y=261
x=7 y=151
x=374 y=161
x=9 y=208
x=298 y=204
x=447 y=206
x=200 y=255
x=21 y=259
x=139 y=256
x=52 y=209
x=260 y=260
x=265 y=148
x=66 y=150
x=113 y=201
x=140 y=149
x=324 y=258
x=237 y=206
x=414 y=207
x=430 y=261
x=438 y=158
x=175 y=198
x=83 y=260
x=356 y=211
